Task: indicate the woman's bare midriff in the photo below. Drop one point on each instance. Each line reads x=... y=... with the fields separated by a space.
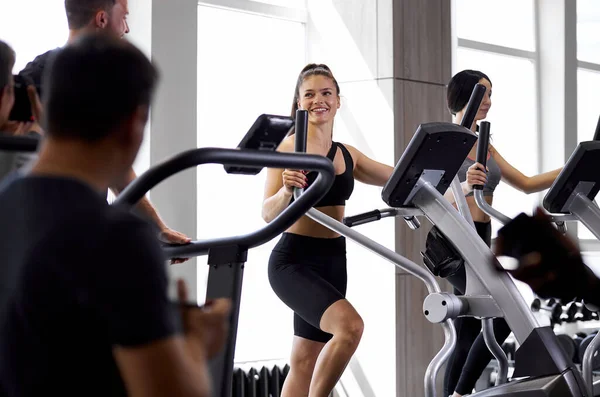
x=476 y=212
x=307 y=227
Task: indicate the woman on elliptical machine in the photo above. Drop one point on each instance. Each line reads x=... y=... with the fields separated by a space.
x=471 y=355
x=307 y=268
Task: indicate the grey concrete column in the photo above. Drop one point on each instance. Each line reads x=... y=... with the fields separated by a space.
x=174 y=115
x=422 y=68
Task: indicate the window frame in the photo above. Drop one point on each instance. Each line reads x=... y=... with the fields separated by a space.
x=571 y=67
x=255 y=7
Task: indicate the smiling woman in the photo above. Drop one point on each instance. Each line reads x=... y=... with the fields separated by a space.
x=307 y=268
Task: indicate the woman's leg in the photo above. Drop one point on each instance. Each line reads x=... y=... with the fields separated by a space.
x=313 y=284
x=479 y=357
x=346 y=325
x=302 y=364
x=467 y=329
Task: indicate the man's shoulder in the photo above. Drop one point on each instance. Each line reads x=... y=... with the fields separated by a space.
x=73 y=208
x=99 y=232
x=127 y=224
x=35 y=69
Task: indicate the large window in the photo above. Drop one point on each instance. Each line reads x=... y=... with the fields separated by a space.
x=301 y=4
x=20 y=26
x=33 y=27
x=486 y=22
x=506 y=56
x=588 y=26
x=242 y=73
x=509 y=56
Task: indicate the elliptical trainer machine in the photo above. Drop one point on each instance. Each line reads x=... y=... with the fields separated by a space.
x=570 y=198
x=422 y=175
x=227 y=255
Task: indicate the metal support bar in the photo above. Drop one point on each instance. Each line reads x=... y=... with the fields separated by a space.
x=488 y=209
x=373 y=246
x=486 y=280
x=439 y=307
x=562 y=218
x=487 y=325
x=225 y=281
x=438 y=361
x=408 y=266
x=587 y=212
x=481 y=306
x=587 y=362
x=461 y=201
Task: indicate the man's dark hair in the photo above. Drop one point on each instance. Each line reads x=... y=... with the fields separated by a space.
x=93 y=85
x=81 y=12
x=7 y=62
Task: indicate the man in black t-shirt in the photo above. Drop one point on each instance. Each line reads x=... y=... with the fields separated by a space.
x=84 y=308
x=109 y=16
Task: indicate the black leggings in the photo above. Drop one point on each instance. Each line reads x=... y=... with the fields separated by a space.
x=309 y=274
x=471 y=355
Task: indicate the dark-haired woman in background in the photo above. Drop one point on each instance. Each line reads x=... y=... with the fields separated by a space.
x=307 y=268
x=471 y=355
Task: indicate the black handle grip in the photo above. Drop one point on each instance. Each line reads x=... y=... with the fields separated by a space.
x=482 y=147
x=301 y=131
x=473 y=106
x=597 y=132
x=28 y=143
x=236 y=157
x=360 y=219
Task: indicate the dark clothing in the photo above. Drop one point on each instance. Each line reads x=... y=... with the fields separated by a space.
x=78 y=278
x=494 y=175
x=309 y=274
x=459 y=279
x=343 y=184
x=471 y=355
x=34 y=70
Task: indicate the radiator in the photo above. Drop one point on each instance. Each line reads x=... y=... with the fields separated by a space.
x=259 y=382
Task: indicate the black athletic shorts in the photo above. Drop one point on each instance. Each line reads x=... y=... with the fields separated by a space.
x=309 y=274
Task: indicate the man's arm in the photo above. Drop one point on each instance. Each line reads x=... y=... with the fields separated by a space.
x=161 y=347
x=147 y=209
x=548 y=261
x=164 y=368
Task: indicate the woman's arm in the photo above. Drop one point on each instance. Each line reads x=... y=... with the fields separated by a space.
x=475 y=176
x=369 y=171
x=526 y=184
x=449 y=195
x=278 y=195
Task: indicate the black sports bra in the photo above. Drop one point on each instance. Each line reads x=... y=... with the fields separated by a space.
x=343 y=184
